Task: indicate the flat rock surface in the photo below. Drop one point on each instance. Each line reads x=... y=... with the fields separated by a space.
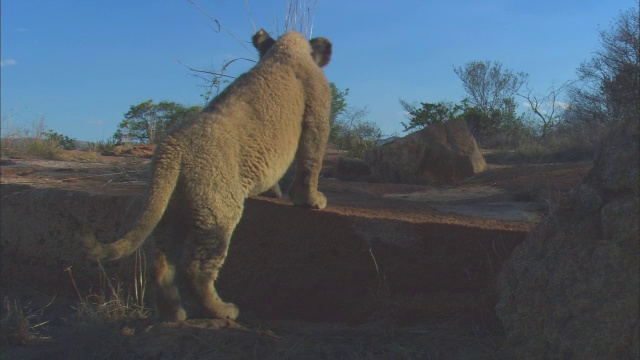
x=504 y=192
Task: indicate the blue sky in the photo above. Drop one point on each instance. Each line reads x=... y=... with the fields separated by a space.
x=82 y=63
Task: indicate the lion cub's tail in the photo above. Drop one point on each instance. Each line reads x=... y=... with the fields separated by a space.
x=163 y=181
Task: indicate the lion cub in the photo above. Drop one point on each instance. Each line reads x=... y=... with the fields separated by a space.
x=240 y=145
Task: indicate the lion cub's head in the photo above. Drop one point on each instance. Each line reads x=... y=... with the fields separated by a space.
x=320 y=47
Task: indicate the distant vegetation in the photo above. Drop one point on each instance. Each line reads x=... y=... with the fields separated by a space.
x=36 y=140
x=606 y=91
x=149 y=123
x=350 y=131
x=563 y=123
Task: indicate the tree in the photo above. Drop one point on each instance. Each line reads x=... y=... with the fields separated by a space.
x=355 y=134
x=338 y=107
x=429 y=113
x=609 y=83
x=490 y=106
x=488 y=85
x=149 y=122
x=547 y=108
x=174 y=114
x=348 y=128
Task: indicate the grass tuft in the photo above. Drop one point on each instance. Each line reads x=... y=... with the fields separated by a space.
x=102 y=146
x=116 y=305
x=20 y=325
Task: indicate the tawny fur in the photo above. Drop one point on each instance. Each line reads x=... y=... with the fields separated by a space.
x=262 y=41
x=321 y=52
x=240 y=145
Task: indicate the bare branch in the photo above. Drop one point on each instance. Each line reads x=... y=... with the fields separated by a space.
x=220 y=27
x=205 y=14
x=206 y=71
x=234 y=60
x=546 y=107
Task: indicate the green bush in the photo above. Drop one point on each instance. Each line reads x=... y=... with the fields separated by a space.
x=64 y=141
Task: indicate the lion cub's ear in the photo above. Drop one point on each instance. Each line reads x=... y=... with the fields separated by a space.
x=262 y=41
x=320 y=47
x=321 y=50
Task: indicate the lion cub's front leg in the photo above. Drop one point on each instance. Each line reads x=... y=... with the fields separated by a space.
x=303 y=191
x=304 y=188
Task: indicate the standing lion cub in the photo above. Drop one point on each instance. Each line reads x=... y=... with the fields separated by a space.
x=240 y=145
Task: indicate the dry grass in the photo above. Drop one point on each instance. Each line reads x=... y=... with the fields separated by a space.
x=35 y=140
x=115 y=304
x=19 y=324
x=556 y=149
x=30 y=141
x=85 y=156
x=102 y=146
x=116 y=307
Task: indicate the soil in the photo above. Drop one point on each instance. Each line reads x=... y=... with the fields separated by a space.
x=504 y=198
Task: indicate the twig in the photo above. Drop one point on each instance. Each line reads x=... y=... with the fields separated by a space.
x=140 y=275
x=375 y=263
x=73 y=282
x=206 y=71
x=103 y=272
x=207 y=15
x=220 y=27
x=253 y=24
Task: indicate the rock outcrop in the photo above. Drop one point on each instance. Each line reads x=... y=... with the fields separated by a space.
x=363 y=258
x=350 y=169
x=438 y=152
x=571 y=289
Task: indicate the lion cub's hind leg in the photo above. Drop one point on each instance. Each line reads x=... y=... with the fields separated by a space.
x=210 y=304
x=205 y=252
x=168 y=300
x=168 y=270
x=273 y=192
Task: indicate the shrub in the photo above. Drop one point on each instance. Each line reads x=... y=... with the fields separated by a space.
x=553 y=149
x=64 y=141
x=102 y=146
x=19 y=324
x=34 y=141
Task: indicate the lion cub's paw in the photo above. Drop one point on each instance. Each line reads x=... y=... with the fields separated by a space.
x=178 y=314
x=223 y=310
x=320 y=201
x=317 y=200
